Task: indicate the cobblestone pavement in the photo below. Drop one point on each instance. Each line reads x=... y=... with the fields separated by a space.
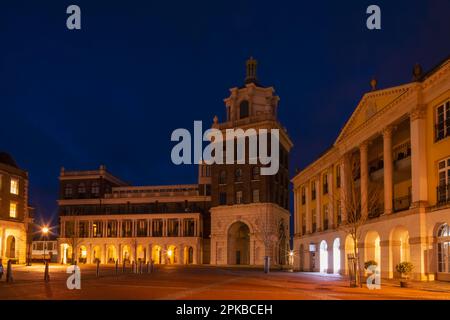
x=203 y=282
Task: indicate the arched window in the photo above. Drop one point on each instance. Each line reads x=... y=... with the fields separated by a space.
x=223 y=177
x=238 y=175
x=255 y=173
x=443 y=235
x=243 y=110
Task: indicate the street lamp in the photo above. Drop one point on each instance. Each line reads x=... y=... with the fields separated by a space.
x=45 y=233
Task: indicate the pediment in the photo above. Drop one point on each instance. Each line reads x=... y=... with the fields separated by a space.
x=370 y=104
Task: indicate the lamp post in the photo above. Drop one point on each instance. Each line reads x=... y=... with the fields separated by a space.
x=45 y=233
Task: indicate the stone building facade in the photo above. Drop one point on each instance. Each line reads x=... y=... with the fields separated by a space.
x=15 y=218
x=389 y=165
x=233 y=215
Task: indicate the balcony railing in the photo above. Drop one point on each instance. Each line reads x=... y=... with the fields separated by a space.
x=443 y=194
x=402 y=203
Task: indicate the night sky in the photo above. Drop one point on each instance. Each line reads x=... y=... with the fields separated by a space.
x=112 y=92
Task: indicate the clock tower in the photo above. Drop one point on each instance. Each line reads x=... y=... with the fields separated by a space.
x=250 y=211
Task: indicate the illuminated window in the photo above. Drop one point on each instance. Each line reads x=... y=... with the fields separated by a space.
x=443 y=189
x=13 y=209
x=442 y=121
x=444 y=248
x=14 y=186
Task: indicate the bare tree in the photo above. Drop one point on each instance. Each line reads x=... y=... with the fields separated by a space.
x=352 y=203
x=272 y=234
x=71 y=236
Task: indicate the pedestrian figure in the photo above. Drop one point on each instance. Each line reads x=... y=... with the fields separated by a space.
x=1 y=269
x=148 y=266
x=117 y=266
x=9 y=276
x=152 y=266
x=46 y=273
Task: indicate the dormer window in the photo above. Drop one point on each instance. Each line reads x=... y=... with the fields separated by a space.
x=243 y=110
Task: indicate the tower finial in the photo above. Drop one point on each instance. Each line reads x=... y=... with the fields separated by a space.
x=417 y=72
x=251 y=70
x=373 y=84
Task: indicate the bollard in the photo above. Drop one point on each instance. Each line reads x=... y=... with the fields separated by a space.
x=152 y=265
x=117 y=267
x=123 y=267
x=133 y=265
x=140 y=267
x=148 y=266
x=46 y=272
x=98 y=268
x=9 y=276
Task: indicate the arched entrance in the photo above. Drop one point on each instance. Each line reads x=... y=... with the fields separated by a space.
x=82 y=254
x=140 y=253
x=336 y=256
x=323 y=256
x=111 y=255
x=372 y=247
x=96 y=254
x=156 y=254
x=126 y=253
x=172 y=254
x=11 y=247
x=399 y=247
x=188 y=255
x=66 y=251
x=239 y=243
x=349 y=250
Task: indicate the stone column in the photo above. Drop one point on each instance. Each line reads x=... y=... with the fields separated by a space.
x=331 y=212
x=308 y=209
x=419 y=157
x=319 y=219
x=345 y=175
x=330 y=251
x=363 y=148
x=150 y=229
x=119 y=253
x=388 y=164
x=180 y=227
x=150 y=252
x=418 y=248
x=297 y=211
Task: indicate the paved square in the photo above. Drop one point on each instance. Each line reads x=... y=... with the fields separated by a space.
x=202 y=282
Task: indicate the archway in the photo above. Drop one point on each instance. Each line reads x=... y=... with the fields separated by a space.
x=82 y=254
x=96 y=254
x=372 y=250
x=336 y=256
x=172 y=254
x=156 y=254
x=140 y=253
x=188 y=255
x=11 y=247
x=239 y=243
x=323 y=256
x=111 y=254
x=126 y=253
x=349 y=250
x=66 y=253
x=399 y=247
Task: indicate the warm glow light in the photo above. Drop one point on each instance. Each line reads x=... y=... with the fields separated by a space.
x=169 y=253
x=291 y=253
x=45 y=230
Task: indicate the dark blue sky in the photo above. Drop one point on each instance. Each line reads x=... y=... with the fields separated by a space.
x=113 y=92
